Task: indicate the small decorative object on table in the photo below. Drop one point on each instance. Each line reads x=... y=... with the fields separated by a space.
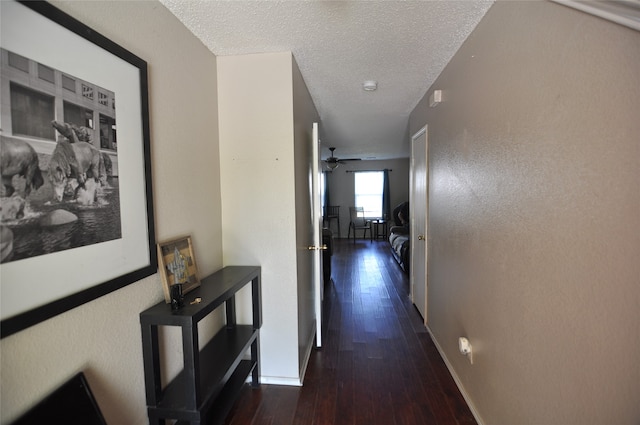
x=177 y=298
x=177 y=265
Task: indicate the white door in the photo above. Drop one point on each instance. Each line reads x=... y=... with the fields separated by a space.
x=316 y=213
x=419 y=215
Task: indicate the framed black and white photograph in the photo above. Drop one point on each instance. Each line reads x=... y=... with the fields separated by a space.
x=76 y=209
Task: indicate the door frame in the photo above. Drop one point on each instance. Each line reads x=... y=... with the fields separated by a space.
x=413 y=232
x=316 y=217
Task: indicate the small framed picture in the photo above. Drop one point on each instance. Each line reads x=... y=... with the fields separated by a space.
x=177 y=264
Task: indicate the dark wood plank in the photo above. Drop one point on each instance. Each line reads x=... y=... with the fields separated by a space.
x=378 y=364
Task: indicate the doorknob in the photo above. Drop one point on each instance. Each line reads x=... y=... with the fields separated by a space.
x=420 y=237
x=319 y=248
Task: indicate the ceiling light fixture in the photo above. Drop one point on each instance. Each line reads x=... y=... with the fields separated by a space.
x=332 y=165
x=370 y=85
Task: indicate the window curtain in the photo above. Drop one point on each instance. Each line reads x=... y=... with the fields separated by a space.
x=386 y=198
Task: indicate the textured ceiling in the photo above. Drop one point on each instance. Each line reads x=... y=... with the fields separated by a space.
x=403 y=45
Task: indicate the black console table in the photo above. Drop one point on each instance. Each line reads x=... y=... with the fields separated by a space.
x=205 y=390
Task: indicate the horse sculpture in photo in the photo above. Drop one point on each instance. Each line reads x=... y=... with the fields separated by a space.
x=72 y=132
x=79 y=161
x=17 y=157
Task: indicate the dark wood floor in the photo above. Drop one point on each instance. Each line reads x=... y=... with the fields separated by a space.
x=377 y=365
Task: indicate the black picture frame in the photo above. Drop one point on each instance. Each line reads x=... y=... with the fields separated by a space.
x=94 y=285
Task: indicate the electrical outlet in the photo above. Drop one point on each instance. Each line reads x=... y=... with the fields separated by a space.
x=465 y=348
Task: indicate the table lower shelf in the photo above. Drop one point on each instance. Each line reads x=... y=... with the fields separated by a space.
x=222 y=374
x=219 y=409
x=222 y=405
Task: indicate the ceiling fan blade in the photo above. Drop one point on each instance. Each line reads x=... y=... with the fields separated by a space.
x=334 y=160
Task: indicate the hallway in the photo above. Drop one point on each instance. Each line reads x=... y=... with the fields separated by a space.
x=378 y=364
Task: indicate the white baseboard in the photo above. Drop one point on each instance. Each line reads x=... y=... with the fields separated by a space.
x=279 y=380
x=294 y=382
x=453 y=373
x=307 y=354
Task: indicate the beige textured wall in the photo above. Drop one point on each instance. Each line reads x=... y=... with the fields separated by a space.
x=535 y=216
x=103 y=337
x=257 y=179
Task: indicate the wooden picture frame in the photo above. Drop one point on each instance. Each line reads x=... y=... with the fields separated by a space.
x=43 y=283
x=177 y=264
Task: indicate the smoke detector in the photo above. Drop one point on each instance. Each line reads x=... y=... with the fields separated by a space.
x=370 y=85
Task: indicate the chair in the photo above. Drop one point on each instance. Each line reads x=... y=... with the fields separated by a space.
x=331 y=213
x=359 y=222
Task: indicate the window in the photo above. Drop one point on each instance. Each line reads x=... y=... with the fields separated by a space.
x=368 y=185
x=87 y=91
x=107 y=132
x=103 y=99
x=45 y=73
x=68 y=83
x=78 y=115
x=18 y=62
x=31 y=112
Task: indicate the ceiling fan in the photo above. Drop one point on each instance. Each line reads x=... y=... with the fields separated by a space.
x=332 y=162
